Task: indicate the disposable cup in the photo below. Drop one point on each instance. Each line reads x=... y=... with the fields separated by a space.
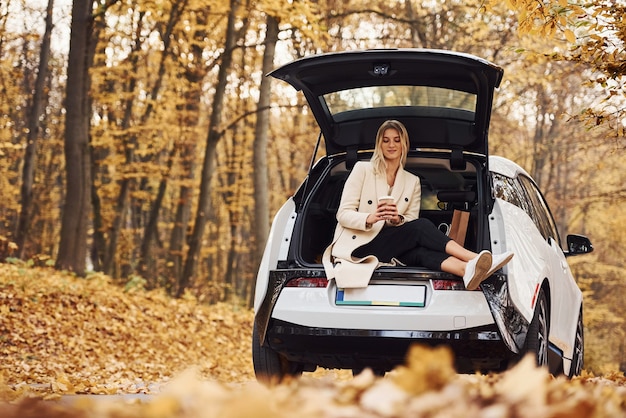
x=385 y=199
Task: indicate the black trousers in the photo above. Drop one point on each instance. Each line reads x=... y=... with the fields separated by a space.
x=415 y=243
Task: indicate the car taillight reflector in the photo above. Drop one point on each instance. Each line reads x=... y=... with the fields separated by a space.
x=308 y=282
x=448 y=285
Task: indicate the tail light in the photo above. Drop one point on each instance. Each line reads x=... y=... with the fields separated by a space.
x=307 y=282
x=448 y=285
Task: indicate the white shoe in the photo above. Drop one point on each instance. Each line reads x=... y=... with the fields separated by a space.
x=476 y=270
x=499 y=261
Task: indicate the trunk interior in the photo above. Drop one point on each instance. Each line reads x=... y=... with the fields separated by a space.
x=444 y=190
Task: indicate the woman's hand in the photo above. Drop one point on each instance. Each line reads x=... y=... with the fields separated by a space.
x=386 y=211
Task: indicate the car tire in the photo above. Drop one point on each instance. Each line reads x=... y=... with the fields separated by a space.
x=269 y=366
x=579 y=349
x=375 y=371
x=538 y=331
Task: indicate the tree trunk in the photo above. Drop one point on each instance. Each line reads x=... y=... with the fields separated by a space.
x=127 y=182
x=73 y=241
x=151 y=229
x=232 y=193
x=187 y=154
x=98 y=155
x=98 y=244
x=30 y=157
x=417 y=34
x=183 y=214
x=208 y=166
x=261 y=188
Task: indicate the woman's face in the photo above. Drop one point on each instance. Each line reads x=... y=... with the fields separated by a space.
x=391 y=144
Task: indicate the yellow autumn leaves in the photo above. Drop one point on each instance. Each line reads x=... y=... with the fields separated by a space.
x=60 y=335
x=523 y=392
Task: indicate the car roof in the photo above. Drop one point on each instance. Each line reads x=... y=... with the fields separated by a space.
x=505 y=167
x=319 y=76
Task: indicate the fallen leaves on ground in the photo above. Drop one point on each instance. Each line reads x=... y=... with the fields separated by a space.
x=61 y=335
x=522 y=392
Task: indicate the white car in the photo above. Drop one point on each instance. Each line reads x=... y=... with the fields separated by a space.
x=302 y=320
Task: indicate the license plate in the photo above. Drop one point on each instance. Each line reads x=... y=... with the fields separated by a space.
x=383 y=295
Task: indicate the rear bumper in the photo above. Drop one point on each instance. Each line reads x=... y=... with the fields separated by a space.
x=356 y=342
x=475 y=349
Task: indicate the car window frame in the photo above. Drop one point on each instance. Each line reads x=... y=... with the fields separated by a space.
x=522 y=192
x=547 y=225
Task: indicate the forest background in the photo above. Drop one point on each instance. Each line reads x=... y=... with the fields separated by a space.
x=141 y=139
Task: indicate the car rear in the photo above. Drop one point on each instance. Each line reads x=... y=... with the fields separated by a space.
x=303 y=320
x=314 y=327
x=313 y=323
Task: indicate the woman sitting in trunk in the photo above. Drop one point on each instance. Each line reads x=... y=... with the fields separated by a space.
x=369 y=232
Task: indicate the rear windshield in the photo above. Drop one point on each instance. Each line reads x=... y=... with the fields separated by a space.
x=392 y=96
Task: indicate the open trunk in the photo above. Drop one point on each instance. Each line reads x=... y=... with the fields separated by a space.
x=444 y=190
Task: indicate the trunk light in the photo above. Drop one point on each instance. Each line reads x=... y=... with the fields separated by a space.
x=308 y=282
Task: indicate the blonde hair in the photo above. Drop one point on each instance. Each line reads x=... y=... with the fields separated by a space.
x=378 y=160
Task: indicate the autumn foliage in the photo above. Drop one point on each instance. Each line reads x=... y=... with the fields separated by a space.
x=180 y=159
x=188 y=163
x=62 y=336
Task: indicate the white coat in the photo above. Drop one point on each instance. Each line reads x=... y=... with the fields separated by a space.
x=360 y=198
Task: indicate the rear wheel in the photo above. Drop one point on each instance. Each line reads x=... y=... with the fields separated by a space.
x=579 y=349
x=537 y=337
x=269 y=366
x=377 y=372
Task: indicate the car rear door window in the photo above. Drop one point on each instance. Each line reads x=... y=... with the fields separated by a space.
x=544 y=220
x=522 y=192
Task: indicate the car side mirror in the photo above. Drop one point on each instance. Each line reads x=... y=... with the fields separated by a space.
x=578 y=244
